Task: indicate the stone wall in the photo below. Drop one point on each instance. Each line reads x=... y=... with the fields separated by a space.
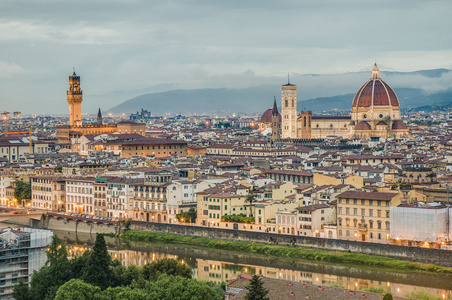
x=68 y=224
x=434 y=256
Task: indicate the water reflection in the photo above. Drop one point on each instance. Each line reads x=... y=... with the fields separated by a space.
x=222 y=266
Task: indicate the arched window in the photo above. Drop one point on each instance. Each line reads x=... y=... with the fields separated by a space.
x=287 y=103
x=304 y=121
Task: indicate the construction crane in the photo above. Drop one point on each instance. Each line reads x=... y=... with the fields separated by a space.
x=5 y=118
x=30 y=141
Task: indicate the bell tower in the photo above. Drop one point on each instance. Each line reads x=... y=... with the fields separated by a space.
x=74 y=99
x=289 y=110
x=275 y=122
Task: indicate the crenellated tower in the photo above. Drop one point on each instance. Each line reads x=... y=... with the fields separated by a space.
x=289 y=110
x=75 y=99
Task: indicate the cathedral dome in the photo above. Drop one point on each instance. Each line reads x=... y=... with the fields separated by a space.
x=397 y=125
x=266 y=116
x=363 y=125
x=375 y=92
x=269 y=113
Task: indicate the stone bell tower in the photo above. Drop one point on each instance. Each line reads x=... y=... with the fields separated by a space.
x=74 y=99
x=289 y=111
x=276 y=134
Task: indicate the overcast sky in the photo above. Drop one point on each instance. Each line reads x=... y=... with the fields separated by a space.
x=133 y=44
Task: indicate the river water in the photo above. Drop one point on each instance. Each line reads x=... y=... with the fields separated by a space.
x=218 y=266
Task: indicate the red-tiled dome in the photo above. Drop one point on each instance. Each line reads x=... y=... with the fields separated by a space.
x=375 y=92
x=267 y=116
x=363 y=125
x=398 y=125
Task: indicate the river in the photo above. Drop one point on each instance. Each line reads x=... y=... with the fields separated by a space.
x=218 y=266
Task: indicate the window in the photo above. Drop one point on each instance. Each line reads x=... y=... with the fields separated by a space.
x=370 y=202
x=363 y=212
x=340 y=210
x=355 y=201
x=346 y=201
x=379 y=225
x=387 y=214
x=387 y=225
x=379 y=213
x=347 y=211
x=355 y=211
x=379 y=203
x=371 y=212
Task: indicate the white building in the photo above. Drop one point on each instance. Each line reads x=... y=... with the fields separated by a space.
x=79 y=195
x=424 y=222
x=182 y=195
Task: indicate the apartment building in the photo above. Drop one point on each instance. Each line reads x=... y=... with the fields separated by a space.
x=212 y=207
x=365 y=216
x=48 y=192
x=182 y=195
x=80 y=195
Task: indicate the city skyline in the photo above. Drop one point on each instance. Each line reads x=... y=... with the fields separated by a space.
x=137 y=45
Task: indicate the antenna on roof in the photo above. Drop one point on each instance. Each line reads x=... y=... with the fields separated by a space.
x=288 y=78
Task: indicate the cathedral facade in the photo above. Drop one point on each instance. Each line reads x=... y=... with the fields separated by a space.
x=375 y=113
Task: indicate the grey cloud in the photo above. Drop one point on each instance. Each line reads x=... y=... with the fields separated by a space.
x=195 y=44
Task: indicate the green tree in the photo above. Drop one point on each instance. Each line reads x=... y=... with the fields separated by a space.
x=76 y=289
x=45 y=282
x=97 y=269
x=170 y=287
x=188 y=216
x=249 y=199
x=22 y=291
x=22 y=191
x=166 y=266
x=387 y=296
x=58 y=169
x=56 y=251
x=256 y=290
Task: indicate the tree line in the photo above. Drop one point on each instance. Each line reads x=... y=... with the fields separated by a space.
x=93 y=275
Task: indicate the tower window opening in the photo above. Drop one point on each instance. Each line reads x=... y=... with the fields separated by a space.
x=287 y=103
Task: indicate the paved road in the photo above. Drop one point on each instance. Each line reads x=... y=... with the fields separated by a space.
x=10 y=216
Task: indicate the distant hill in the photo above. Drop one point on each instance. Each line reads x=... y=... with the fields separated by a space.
x=257 y=100
x=336 y=93
x=408 y=98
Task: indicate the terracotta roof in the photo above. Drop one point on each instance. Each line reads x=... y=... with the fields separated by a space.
x=367 y=196
x=375 y=92
x=398 y=125
x=363 y=125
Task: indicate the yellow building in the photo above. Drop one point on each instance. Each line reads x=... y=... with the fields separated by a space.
x=211 y=207
x=363 y=216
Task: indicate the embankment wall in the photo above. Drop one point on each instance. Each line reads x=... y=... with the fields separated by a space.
x=425 y=255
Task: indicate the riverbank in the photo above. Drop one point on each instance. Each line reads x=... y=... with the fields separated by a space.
x=284 y=252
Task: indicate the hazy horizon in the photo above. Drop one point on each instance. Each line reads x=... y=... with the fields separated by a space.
x=154 y=45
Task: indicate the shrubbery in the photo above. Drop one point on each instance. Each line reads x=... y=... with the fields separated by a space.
x=241 y=218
